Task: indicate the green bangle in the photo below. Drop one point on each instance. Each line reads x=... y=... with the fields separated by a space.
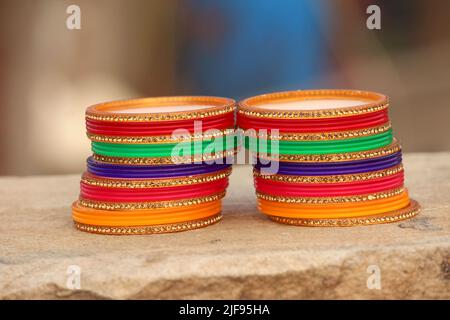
x=321 y=147
x=164 y=149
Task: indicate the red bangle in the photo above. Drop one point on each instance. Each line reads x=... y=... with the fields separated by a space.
x=328 y=189
x=96 y=193
x=315 y=125
x=220 y=122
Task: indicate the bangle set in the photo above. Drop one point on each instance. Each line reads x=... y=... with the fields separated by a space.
x=113 y=170
x=335 y=158
x=322 y=158
x=158 y=165
x=356 y=122
x=258 y=145
x=185 y=149
x=334 y=168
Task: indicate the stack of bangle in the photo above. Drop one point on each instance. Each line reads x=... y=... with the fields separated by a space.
x=325 y=158
x=158 y=165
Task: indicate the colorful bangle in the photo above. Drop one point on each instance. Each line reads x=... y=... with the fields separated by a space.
x=386 y=217
x=320 y=136
x=94 y=180
x=154 y=229
x=108 y=128
x=162 y=139
x=119 y=111
x=164 y=149
x=148 y=204
x=331 y=199
x=334 y=168
x=333 y=157
x=145 y=222
x=142 y=220
x=331 y=211
x=155 y=171
x=254 y=106
x=336 y=189
x=325 y=158
x=218 y=156
x=321 y=147
x=107 y=194
x=338 y=178
x=287 y=125
x=159 y=165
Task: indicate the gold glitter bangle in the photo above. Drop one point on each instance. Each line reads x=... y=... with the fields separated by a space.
x=159 y=139
x=148 y=205
x=165 y=160
x=338 y=135
x=105 y=111
x=334 y=157
x=394 y=216
x=327 y=200
x=331 y=178
x=89 y=179
x=153 y=229
x=249 y=107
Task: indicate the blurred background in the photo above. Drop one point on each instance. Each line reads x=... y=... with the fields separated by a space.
x=232 y=48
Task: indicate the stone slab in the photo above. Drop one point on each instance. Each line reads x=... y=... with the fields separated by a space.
x=246 y=256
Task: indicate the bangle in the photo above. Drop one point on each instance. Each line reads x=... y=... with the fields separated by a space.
x=107 y=194
x=108 y=128
x=331 y=200
x=334 y=157
x=164 y=149
x=322 y=147
x=145 y=222
x=121 y=111
x=134 y=220
x=254 y=107
x=334 y=168
x=325 y=158
x=148 y=204
x=161 y=139
x=337 y=178
x=98 y=181
x=386 y=217
x=156 y=171
x=218 y=156
x=330 y=211
x=154 y=229
x=117 y=218
x=289 y=125
x=158 y=165
x=321 y=136
x=289 y=189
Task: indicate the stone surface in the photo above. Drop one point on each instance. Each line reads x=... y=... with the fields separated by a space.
x=244 y=256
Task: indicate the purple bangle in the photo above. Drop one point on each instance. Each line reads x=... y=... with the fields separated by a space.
x=336 y=168
x=130 y=171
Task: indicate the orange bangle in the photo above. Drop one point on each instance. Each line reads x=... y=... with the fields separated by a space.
x=331 y=211
x=160 y=216
x=388 y=217
x=251 y=107
x=114 y=111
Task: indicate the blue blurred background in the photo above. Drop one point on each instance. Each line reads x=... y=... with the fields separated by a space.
x=239 y=48
x=233 y=48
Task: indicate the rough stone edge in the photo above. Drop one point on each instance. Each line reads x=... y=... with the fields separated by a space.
x=416 y=274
